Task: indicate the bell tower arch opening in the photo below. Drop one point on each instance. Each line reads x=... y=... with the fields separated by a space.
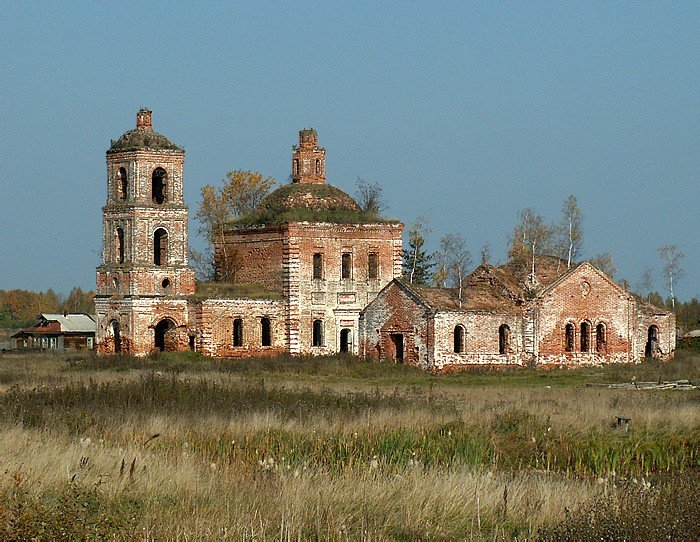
x=159 y=180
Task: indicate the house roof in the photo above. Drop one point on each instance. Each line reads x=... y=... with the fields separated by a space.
x=71 y=323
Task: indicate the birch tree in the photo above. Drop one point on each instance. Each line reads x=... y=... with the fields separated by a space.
x=572 y=232
x=455 y=262
x=672 y=258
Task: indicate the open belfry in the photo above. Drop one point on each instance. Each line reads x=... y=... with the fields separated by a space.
x=323 y=276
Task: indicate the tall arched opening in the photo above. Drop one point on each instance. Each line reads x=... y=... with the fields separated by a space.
x=652 y=345
x=165 y=339
x=345 y=340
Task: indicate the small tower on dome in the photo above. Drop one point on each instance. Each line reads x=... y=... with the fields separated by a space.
x=308 y=160
x=144 y=119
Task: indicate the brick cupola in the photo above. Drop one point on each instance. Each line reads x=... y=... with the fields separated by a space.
x=143 y=119
x=308 y=160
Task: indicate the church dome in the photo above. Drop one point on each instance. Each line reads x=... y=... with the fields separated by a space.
x=143 y=137
x=308 y=197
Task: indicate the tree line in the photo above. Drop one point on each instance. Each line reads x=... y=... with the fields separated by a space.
x=20 y=308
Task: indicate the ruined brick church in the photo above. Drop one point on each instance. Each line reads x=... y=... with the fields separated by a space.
x=327 y=279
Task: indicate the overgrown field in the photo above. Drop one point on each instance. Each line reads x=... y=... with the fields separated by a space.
x=189 y=448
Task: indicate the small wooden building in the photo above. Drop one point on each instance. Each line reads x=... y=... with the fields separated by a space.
x=58 y=332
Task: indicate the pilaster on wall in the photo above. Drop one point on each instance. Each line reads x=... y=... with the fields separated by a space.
x=291 y=268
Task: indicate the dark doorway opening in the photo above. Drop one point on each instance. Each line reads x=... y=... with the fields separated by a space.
x=164 y=336
x=345 y=340
x=397 y=342
x=116 y=335
x=265 y=332
x=652 y=345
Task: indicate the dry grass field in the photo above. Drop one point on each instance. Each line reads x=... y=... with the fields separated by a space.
x=180 y=447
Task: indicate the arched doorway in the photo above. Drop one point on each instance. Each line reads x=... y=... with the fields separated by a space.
x=345 y=340
x=652 y=345
x=115 y=330
x=165 y=336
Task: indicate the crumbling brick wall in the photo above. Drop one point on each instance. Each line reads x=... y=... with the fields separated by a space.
x=585 y=296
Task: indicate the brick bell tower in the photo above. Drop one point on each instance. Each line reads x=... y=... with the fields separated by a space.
x=144 y=242
x=308 y=160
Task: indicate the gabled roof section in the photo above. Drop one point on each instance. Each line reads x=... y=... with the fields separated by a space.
x=71 y=323
x=408 y=289
x=482 y=291
x=583 y=266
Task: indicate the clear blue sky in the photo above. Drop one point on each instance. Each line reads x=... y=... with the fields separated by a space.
x=464 y=113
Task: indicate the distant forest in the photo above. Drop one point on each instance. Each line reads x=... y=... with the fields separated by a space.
x=20 y=308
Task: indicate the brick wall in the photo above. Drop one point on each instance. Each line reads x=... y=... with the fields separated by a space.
x=585 y=296
x=216 y=323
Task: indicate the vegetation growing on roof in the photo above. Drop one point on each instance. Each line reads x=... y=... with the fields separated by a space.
x=227 y=290
x=142 y=139
x=309 y=203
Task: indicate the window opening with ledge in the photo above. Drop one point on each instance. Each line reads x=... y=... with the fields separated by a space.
x=119 y=240
x=122 y=184
x=585 y=336
x=373 y=265
x=238 y=332
x=569 y=338
x=600 y=339
x=458 y=339
x=346 y=266
x=318 y=266
x=160 y=247
x=503 y=339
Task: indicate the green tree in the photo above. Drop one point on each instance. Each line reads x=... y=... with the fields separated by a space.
x=417 y=264
x=240 y=192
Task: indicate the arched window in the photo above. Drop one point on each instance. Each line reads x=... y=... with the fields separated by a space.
x=569 y=338
x=238 y=332
x=317 y=339
x=318 y=266
x=503 y=339
x=600 y=338
x=119 y=245
x=373 y=265
x=318 y=166
x=159 y=181
x=160 y=247
x=585 y=336
x=122 y=183
x=459 y=339
x=265 y=332
x=346 y=266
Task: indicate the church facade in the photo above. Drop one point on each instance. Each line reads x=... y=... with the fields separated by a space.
x=315 y=255
x=326 y=277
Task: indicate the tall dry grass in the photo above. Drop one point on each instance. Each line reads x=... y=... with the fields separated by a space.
x=193 y=449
